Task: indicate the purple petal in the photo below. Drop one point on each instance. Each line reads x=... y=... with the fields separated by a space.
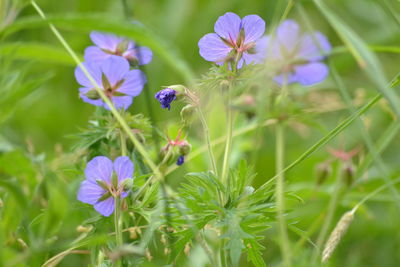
x=287 y=34
x=106 y=41
x=254 y=28
x=114 y=68
x=314 y=47
x=142 y=54
x=99 y=168
x=133 y=83
x=82 y=95
x=271 y=47
x=105 y=207
x=212 y=48
x=228 y=26
x=90 y=192
x=120 y=102
x=95 y=54
x=260 y=52
x=93 y=69
x=290 y=78
x=311 y=73
x=123 y=167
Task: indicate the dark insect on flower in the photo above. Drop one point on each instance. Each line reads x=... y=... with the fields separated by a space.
x=180 y=160
x=106 y=181
x=165 y=97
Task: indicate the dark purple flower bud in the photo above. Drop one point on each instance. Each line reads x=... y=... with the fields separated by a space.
x=180 y=160
x=165 y=97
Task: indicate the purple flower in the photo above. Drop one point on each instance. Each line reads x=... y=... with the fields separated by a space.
x=109 y=44
x=165 y=97
x=298 y=55
x=105 y=181
x=180 y=160
x=116 y=80
x=235 y=38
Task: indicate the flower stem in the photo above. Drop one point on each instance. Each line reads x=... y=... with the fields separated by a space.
x=140 y=148
x=279 y=193
x=208 y=140
x=228 y=144
x=117 y=225
x=123 y=144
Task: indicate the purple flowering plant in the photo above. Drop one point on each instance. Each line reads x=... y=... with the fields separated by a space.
x=107 y=45
x=211 y=203
x=116 y=80
x=235 y=40
x=105 y=181
x=298 y=55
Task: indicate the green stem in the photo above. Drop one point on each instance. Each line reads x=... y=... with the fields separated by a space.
x=330 y=213
x=208 y=140
x=334 y=132
x=123 y=144
x=106 y=100
x=117 y=225
x=228 y=144
x=280 y=195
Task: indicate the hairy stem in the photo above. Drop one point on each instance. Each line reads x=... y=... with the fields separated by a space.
x=106 y=100
x=280 y=194
x=117 y=225
x=228 y=143
x=123 y=144
x=208 y=140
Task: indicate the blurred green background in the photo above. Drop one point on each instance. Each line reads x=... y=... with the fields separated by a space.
x=40 y=109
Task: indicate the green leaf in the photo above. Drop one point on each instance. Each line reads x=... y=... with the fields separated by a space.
x=36 y=51
x=363 y=54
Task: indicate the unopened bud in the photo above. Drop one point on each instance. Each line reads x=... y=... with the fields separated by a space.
x=187 y=113
x=348 y=174
x=163 y=239
x=185 y=148
x=127 y=184
x=92 y=94
x=84 y=229
x=248 y=190
x=167 y=251
x=133 y=233
x=22 y=243
x=148 y=255
x=224 y=85
x=187 y=249
x=323 y=171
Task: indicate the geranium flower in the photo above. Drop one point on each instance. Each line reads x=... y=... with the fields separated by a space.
x=106 y=181
x=116 y=80
x=235 y=39
x=110 y=44
x=297 y=55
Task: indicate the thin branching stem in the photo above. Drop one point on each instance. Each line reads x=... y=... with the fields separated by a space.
x=208 y=140
x=140 y=148
x=117 y=225
x=228 y=144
